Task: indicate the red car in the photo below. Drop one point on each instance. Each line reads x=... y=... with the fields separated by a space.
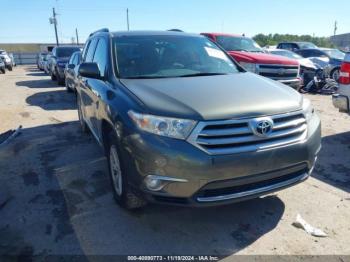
x=253 y=58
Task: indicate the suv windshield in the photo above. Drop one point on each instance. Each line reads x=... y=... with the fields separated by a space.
x=162 y=56
x=236 y=43
x=334 y=53
x=307 y=45
x=66 y=51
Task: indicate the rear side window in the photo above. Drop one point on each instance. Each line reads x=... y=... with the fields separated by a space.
x=91 y=50
x=100 y=56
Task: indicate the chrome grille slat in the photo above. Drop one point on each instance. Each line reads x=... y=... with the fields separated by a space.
x=225 y=132
x=292 y=123
x=235 y=136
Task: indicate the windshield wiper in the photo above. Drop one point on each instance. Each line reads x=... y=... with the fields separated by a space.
x=144 y=77
x=203 y=74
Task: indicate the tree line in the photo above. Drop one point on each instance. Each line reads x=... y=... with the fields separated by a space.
x=274 y=39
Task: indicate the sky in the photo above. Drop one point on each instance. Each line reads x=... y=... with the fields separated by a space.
x=27 y=21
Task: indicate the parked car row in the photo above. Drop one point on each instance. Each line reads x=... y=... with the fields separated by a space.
x=7 y=59
x=54 y=63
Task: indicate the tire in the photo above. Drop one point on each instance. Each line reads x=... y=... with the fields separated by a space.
x=10 y=68
x=122 y=192
x=3 y=71
x=60 y=81
x=53 y=77
x=335 y=74
x=83 y=125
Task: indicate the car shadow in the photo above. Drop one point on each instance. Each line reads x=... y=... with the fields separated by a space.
x=60 y=184
x=40 y=83
x=38 y=73
x=333 y=165
x=53 y=100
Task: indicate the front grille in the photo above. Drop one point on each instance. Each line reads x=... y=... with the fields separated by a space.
x=279 y=72
x=237 y=136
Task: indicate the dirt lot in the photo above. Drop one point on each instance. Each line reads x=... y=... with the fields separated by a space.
x=59 y=200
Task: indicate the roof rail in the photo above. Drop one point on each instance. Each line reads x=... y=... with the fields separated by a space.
x=105 y=30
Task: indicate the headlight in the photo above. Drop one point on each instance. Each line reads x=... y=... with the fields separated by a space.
x=308 y=109
x=163 y=126
x=249 y=67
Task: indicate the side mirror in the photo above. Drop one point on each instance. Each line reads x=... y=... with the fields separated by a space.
x=71 y=66
x=89 y=70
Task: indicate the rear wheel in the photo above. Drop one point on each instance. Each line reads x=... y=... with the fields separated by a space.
x=3 y=70
x=10 y=68
x=121 y=189
x=53 y=76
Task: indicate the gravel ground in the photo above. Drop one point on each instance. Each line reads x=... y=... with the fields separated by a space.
x=56 y=199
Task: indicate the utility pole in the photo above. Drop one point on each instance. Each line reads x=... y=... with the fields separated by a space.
x=335 y=27
x=53 y=20
x=127 y=18
x=76 y=33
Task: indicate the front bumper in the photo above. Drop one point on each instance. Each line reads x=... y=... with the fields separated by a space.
x=294 y=83
x=341 y=102
x=216 y=179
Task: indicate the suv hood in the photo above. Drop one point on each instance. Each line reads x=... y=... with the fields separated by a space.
x=215 y=97
x=261 y=58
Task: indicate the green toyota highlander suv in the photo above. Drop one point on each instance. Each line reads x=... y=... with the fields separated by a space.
x=182 y=123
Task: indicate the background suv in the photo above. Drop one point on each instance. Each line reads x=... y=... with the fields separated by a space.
x=60 y=57
x=254 y=59
x=182 y=123
x=294 y=46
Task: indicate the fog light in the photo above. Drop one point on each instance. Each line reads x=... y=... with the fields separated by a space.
x=153 y=184
x=157 y=183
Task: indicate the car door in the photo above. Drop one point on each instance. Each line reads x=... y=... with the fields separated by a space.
x=99 y=86
x=77 y=62
x=85 y=85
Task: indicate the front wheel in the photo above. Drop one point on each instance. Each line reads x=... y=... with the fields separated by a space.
x=335 y=74
x=10 y=68
x=121 y=189
x=82 y=122
x=3 y=71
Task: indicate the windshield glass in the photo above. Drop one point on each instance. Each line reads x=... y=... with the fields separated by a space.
x=307 y=45
x=286 y=53
x=236 y=43
x=158 y=56
x=335 y=53
x=66 y=51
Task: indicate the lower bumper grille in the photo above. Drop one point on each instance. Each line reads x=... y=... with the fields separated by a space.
x=251 y=189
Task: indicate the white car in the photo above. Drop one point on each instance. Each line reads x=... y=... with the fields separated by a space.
x=341 y=100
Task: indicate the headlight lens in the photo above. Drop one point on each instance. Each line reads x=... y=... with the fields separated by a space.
x=249 y=67
x=308 y=109
x=163 y=126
